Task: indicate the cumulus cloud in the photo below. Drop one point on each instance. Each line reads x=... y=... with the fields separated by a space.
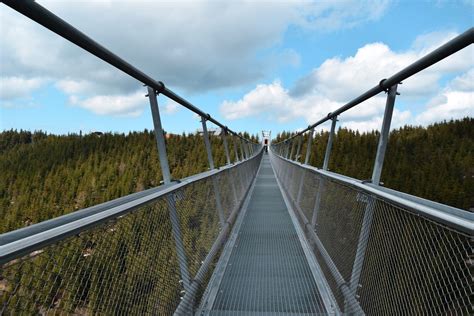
x=455 y=101
x=118 y=105
x=171 y=107
x=18 y=87
x=338 y=80
x=195 y=46
x=342 y=79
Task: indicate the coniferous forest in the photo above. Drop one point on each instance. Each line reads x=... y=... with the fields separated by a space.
x=44 y=176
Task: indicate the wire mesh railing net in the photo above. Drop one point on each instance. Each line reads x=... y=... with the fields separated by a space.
x=412 y=265
x=129 y=265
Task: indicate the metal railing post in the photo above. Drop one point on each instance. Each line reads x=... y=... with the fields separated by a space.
x=236 y=151
x=329 y=145
x=297 y=158
x=246 y=150
x=226 y=147
x=308 y=151
x=384 y=134
x=215 y=185
x=242 y=151
x=292 y=149
x=369 y=209
x=308 y=148
x=207 y=143
x=159 y=136
x=165 y=170
x=227 y=156
x=322 y=183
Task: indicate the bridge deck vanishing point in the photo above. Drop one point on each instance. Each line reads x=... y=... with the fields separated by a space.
x=265 y=270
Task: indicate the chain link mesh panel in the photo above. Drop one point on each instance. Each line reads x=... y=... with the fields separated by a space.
x=412 y=265
x=129 y=265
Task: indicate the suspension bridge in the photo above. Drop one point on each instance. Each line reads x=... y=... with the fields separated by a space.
x=266 y=234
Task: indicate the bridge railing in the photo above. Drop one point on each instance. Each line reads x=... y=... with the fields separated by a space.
x=417 y=254
x=150 y=252
x=381 y=251
x=140 y=254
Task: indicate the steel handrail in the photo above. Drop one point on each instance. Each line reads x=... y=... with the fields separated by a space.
x=25 y=240
x=447 y=215
x=456 y=44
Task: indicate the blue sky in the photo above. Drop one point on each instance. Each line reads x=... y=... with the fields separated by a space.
x=254 y=66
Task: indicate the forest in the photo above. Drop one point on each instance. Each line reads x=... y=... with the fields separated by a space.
x=129 y=263
x=434 y=162
x=44 y=175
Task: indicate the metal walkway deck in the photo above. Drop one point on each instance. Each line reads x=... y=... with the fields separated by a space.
x=267 y=272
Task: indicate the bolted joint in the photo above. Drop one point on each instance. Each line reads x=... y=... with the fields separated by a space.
x=161 y=87
x=381 y=85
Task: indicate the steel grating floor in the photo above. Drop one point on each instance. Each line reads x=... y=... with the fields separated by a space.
x=267 y=272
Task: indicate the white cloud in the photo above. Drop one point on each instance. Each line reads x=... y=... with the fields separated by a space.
x=455 y=101
x=18 y=87
x=70 y=86
x=275 y=103
x=171 y=107
x=464 y=82
x=263 y=98
x=119 y=105
x=338 y=80
x=342 y=79
x=195 y=46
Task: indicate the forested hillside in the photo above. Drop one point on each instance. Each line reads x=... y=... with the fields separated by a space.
x=436 y=162
x=43 y=176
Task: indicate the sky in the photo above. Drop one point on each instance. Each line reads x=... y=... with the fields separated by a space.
x=253 y=65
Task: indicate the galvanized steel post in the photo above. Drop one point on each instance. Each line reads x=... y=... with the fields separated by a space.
x=297 y=157
x=292 y=149
x=317 y=204
x=369 y=209
x=308 y=148
x=226 y=147
x=207 y=143
x=246 y=149
x=159 y=136
x=227 y=156
x=242 y=151
x=175 y=224
x=329 y=145
x=384 y=133
x=235 y=149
